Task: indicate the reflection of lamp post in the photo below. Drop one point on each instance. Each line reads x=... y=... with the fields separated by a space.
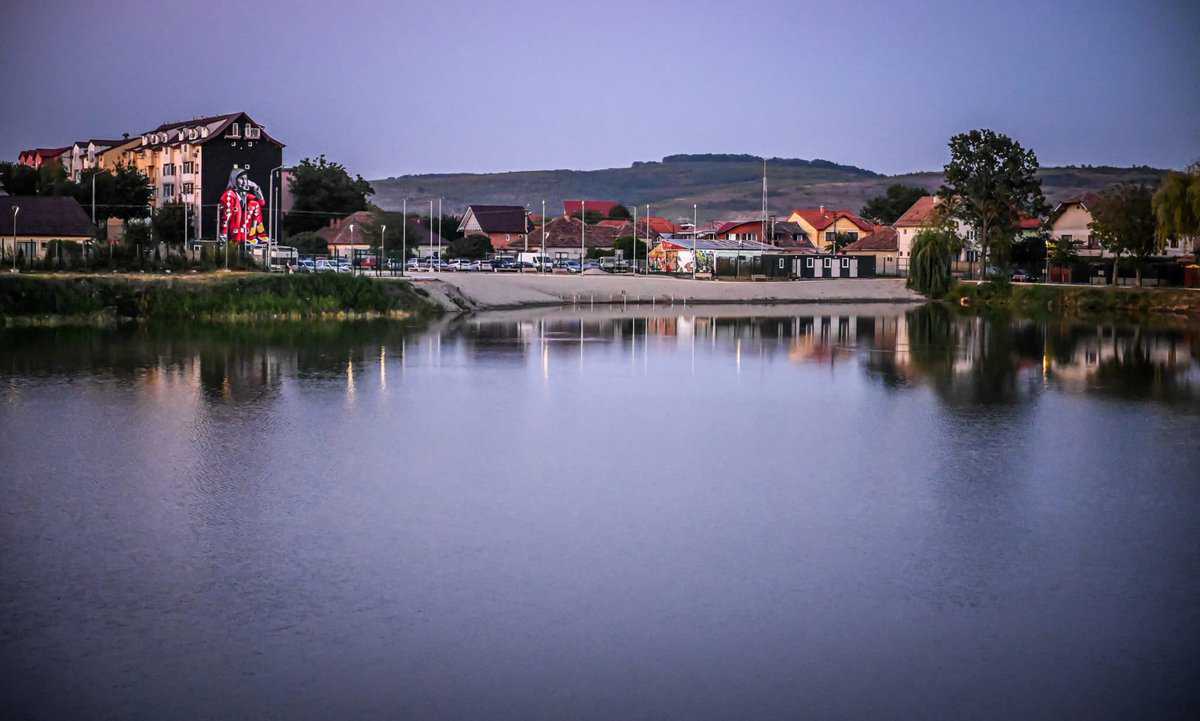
x=16 y=209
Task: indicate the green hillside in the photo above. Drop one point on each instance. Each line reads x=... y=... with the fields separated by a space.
x=722 y=186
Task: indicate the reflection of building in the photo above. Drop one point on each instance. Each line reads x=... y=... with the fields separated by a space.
x=40 y=220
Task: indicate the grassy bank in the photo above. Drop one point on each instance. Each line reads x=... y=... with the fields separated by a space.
x=218 y=296
x=1079 y=301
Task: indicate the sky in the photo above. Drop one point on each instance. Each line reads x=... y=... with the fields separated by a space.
x=393 y=88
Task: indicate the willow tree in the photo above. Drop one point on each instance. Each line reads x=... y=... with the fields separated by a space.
x=1177 y=205
x=933 y=251
x=994 y=182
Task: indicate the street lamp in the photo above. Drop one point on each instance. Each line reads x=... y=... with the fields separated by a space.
x=16 y=209
x=271 y=211
x=352 y=247
x=404 y=238
x=582 y=234
x=382 y=249
x=695 y=232
x=635 y=240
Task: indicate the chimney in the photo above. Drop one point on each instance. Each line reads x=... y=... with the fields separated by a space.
x=822 y=210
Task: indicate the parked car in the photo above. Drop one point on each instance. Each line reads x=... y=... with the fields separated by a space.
x=503 y=265
x=571 y=266
x=1021 y=276
x=344 y=266
x=324 y=265
x=306 y=265
x=367 y=263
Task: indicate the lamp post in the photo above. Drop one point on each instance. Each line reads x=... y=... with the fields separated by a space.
x=439 y=228
x=16 y=209
x=544 y=256
x=404 y=238
x=582 y=233
x=271 y=212
x=382 y=249
x=647 y=239
x=352 y=248
x=433 y=262
x=695 y=232
x=635 y=240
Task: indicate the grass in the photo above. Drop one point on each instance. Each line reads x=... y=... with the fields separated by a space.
x=208 y=297
x=1079 y=301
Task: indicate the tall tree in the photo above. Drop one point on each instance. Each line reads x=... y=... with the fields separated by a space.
x=1177 y=205
x=18 y=179
x=994 y=181
x=122 y=194
x=619 y=212
x=322 y=190
x=1123 y=220
x=886 y=208
x=168 y=223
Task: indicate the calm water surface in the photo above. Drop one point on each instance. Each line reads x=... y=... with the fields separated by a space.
x=822 y=513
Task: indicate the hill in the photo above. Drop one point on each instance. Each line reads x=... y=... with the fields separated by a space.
x=722 y=186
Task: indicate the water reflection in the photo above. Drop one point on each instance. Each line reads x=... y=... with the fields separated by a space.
x=964 y=359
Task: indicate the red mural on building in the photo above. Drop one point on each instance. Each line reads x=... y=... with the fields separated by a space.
x=241 y=209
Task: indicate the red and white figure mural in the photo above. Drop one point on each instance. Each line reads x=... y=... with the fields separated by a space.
x=241 y=209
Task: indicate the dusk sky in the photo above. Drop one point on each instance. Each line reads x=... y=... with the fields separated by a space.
x=397 y=88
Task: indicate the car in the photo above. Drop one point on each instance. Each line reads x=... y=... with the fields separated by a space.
x=367 y=263
x=306 y=265
x=344 y=266
x=1020 y=276
x=503 y=265
x=324 y=265
x=571 y=266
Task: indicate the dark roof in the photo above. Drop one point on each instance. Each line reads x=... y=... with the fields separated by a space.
x=882 y=239
x=215 y=124
x=563 y=232
x=46 y=215
x=499 y=218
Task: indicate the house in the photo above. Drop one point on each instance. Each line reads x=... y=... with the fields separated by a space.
x=84 y=155
x=674 y=253
x=564 y=236
x=784 y=235
x=883 y=244
x=505 y=225
x=1070 y=222
x=344 y=236
x=38 y=220
x=603 y=207
x=821 y=225
x=37 y=157
x=190 y=161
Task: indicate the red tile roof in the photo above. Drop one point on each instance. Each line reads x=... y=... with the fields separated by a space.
x=882 y=239
x=603 y=207
x=821 y=218
x=919 y=215
x=563 y=232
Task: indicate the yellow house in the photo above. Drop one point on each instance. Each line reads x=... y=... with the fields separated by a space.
x=821 y=225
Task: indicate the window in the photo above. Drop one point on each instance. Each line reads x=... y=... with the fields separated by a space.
x=781 y=263
x=809 y=262
x=188 y=187
x=1066 y=238
x=845 y=262
x=168 y=169
x=189 y=167
x=234 y=132
x=853 y=236
x=168 y=190
x=252 y=133
x=830 y=236
x=828 y=263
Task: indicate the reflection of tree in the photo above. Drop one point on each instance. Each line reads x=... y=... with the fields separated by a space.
x=970 y=359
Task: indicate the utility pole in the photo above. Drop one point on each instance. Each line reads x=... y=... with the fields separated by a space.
x=635 y=240
x=16 y=209
x=647 y=239
x=433 y=262
x=582 y=233
x=382 y=250
x=544 y=235
x=404 y=238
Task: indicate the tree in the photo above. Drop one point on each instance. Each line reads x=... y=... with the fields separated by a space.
x=309 y=243
x=323 y=190
x=933 y=252
x=122 y=194
x=630 y=247
x=619 y=212
x=1062 y=253
x=994 y=181
x=591 y=217
x=1177 y=205
x=887 y=208
x=168 y=223
x=1124 y=222
x=472 y=247
x=137 y=232
x=18 y=179
x=840 y=241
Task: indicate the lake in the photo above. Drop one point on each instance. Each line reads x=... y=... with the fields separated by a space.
x=677 y=513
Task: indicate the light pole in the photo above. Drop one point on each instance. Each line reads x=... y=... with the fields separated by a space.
x=433 y=262
x=582 y=234
x=695 y=232
x=439 y=228
x=404 y=238
x=526 y=238
x=352 y=248
x=382 y=249
x=647 y=239
x=544 y=256
x=16 y=209
x=271 y=212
